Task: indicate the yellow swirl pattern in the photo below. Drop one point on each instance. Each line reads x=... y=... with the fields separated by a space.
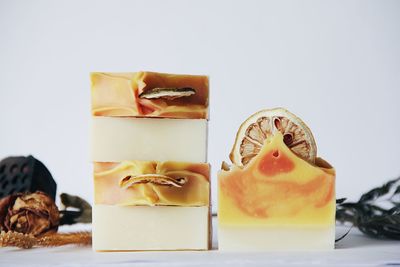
x=195 y=192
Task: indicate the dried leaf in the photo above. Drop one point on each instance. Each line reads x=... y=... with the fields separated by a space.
x=81 y=211
x=376 y=214
x=378 y=192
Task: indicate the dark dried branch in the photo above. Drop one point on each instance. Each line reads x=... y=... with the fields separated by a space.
x=376 y=214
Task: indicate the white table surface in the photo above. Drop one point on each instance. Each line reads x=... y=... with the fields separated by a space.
x=354 y=250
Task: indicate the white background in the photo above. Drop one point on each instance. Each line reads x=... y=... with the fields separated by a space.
x=336 y=64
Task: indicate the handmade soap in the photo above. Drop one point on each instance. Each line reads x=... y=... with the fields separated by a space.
x=150 y=228
x=150 y=205
x=149 y=94
x=149 y=151
x=278 y=201
x=117 y=139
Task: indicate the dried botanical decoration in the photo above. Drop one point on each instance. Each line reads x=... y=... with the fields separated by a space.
x=15 y=239
x=25 y=174
x=29 y=213
x=157 y=179
x=225 y=166
x=376 y=213
x=74 y=210
x=167 y=93
x=62 y=239
x=260 y=126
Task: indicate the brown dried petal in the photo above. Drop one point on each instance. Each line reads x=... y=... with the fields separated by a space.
x=5 y=204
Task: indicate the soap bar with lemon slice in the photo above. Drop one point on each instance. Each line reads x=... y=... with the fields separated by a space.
x=149 y=149
x=277 y=194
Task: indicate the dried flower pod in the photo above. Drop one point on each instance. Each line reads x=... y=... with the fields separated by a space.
x=29 y=213
x=25 y=174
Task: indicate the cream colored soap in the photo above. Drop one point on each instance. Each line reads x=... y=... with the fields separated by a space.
x=118 y=139
x=123 y=228
x=231 y=238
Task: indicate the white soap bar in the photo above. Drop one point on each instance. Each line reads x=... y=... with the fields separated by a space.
x=241 y=238
x=118 y=139
x=150 y=228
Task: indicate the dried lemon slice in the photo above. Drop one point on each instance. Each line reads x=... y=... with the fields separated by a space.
x=258 y=127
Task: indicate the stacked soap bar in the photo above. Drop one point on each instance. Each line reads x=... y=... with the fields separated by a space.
x=149 y=148
x=277 y=202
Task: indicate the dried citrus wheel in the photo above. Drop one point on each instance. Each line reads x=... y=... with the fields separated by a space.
x=258 y=127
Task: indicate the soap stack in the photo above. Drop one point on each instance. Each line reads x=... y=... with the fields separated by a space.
x=149 y=150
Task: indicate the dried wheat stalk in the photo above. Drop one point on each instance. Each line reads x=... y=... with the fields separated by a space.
x=14 y=239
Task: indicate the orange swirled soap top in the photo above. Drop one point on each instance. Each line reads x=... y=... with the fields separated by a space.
x=276 y=178
x=277 y=187
x=149 y=94
x=151 y=183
